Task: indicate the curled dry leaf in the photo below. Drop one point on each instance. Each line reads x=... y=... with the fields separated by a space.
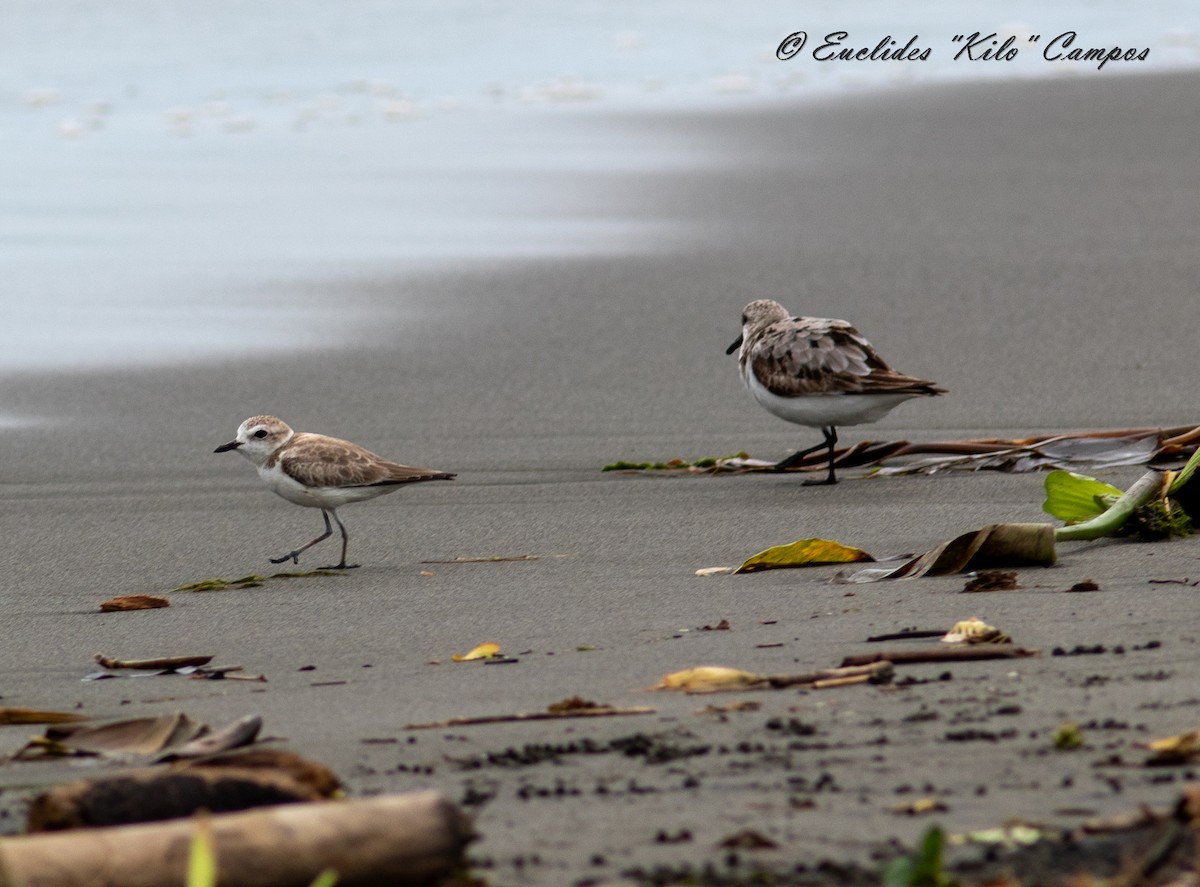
x=1178 y=749
x=160 y=664
x=241 y=732
x=975 y=631
x=120 y=739
x=133 y=602
x=483 y=651
x=921 y=807
x=991 y=547
x=709 y=679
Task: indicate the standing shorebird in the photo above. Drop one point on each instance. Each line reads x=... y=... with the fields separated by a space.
x=818 y=372
x=319 y=472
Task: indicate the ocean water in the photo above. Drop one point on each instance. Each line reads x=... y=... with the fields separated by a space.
x=192 y=180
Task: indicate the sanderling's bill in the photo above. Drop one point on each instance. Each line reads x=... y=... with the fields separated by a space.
x=319 y=472
x=818 y=372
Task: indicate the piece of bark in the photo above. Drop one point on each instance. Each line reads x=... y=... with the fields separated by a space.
x=399 y=840
x=952 y=654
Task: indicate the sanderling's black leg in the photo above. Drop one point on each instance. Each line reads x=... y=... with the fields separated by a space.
x=830 y=439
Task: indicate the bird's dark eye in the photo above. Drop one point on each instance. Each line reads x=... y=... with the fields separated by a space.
x=261 y=433
x=745 y=319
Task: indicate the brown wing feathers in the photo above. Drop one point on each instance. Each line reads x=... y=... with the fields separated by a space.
x=343 y=464
x=804 y=356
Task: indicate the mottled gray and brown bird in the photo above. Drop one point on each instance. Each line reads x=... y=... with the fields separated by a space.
x=818 y=372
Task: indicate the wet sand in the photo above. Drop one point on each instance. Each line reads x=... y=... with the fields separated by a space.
x=1030 y=246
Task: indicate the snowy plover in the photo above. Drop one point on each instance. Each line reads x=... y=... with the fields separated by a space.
x=319 y=472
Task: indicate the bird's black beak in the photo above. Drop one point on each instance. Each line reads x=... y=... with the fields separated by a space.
x=225 y=448
x=735 y=346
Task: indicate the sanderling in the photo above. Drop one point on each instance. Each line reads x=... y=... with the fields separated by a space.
x=818 y=372
x=319 y=472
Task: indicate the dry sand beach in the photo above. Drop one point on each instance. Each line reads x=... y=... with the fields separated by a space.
x=1031 y=246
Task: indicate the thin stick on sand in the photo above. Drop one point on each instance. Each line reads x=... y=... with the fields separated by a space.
x=599 y=712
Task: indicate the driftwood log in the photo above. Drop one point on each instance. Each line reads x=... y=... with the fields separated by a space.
x=396 y=840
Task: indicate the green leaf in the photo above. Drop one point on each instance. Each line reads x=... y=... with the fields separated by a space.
x=1148 y=487
x=1073 y=498
x=804 y=553
x=923 y=868
x=898 y=872
x=202 y=863
x=1068 y=737
x=327 y=878
x=1185 y=474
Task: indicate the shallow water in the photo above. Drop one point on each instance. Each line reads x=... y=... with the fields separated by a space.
x=191 y=180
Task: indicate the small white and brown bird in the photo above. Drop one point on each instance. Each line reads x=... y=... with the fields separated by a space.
x=818 y=372
x=319 y=472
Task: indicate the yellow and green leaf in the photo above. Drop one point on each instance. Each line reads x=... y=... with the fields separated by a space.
x=804 y=553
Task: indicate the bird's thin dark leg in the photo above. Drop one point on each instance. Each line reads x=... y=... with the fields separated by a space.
x=830 y=439
x=796 y=458
x=345 y=541
x=294 y=556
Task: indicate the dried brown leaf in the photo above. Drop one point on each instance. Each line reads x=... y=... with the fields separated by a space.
x=160 y=664
x=132 y=737
x=134 y=602
x=709 y=679
x=975 y=631
x=38 y=716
